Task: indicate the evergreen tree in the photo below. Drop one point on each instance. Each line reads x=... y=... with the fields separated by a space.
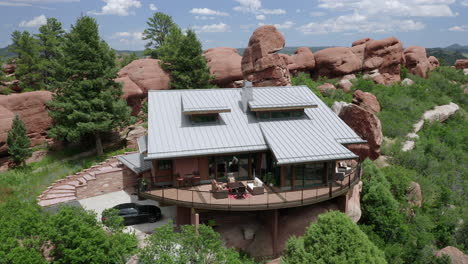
x=333 y=239
x=87 y=101
x=28 y=64
x=18 y=142
x=158 y=28
x=50 y=39
x=181 y=56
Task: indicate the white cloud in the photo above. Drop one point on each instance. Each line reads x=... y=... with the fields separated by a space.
x=285 y=25
x=317 y=14
x=136 y=35
x=207 y=12
x=35 y=22
x=153 y=7
x=464 y=3
x=204 y=17
x=117 y=7
x=254 y=6
x=20 y=3
x=260 y=17
x=298 y=10
x=462 y=28
x=220 y=27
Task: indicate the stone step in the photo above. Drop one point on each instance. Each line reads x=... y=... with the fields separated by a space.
x=82 y=180
x=64 y=187
x=89 y=177
x=74 y=183
x=57 y=195
x=59 y=191
x=55 y=201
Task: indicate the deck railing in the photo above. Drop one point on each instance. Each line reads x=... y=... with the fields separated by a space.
x=271 y=199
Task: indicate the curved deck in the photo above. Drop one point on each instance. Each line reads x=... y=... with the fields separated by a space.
x=201 y=197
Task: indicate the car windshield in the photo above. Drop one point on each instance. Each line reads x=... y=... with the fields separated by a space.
x=128 y=211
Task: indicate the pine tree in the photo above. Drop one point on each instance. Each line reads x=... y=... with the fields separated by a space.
x=18 y=142
x=158 y=29
x=181 y=56
x=87 y=101
x=50 y=39
x=28 y=64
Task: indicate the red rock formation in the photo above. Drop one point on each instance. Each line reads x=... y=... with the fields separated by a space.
x=303 y=60
x=456 y=256
x=147 y=74
x=367 y=126
x=367 y=101
x=9 y=68
x=386 y=55
x=260 y=64
x=416 y=61
x=132 y=94
x=336 y=62
x=225 y=65
x=461 y=64
x=31 y=107
x=434 y=62
x=361 y=41
x=326 y=88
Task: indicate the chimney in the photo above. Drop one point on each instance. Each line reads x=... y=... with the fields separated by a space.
x=246 y=95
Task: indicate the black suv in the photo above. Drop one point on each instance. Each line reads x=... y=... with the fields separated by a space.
x=133 y=213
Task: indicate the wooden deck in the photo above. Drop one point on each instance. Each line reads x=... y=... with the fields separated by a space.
x=202 y=198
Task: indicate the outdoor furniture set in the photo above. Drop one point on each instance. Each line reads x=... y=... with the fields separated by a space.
x=236 y=188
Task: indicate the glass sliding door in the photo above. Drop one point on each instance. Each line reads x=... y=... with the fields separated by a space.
x=309 y=175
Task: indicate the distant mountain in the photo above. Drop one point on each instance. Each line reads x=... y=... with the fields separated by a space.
x=139 y=53
x=6 y=53
x=457 y=47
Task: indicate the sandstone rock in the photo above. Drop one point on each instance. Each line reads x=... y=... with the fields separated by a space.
x=131 y=93
x=379 y=79
x=345 y=85
x=465 y=71
x=338 y=106
x=336 y=62
x=441 y=113
x=366 y=125
x=386 y=55
x=326 y=88
x=361 y=41
x=407 y=82
x=259 y=63
x=131 y=134
x=349 y=77
x=353 y=208
x=456 y=255
x=367 y=101
x=414 y=194
x=461 y=64
x=416 y=61
x=408 y=145
x=14 y=85
x=147 y=74
x=225 y=65
x=9 y=68
x=303 y=60
x=31 y=107
x=434 y=62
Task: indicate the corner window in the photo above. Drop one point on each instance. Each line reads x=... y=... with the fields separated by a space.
x=164 y=164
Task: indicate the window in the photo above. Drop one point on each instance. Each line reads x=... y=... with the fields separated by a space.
x=266 y=115
x=164 y=164
x=280 y=114
x=205 y=118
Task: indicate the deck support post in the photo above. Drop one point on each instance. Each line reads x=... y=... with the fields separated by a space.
x=183 y=216
x=272 y=218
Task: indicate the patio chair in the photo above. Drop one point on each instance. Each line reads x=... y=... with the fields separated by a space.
x=256 y=187
x=218 y=191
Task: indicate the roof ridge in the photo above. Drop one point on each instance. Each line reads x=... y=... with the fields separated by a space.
x=223 y=89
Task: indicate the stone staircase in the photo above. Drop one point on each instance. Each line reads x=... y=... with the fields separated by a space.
x=65 y=190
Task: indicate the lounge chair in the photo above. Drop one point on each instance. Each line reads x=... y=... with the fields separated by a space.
x=256 y=187
x=218 y=191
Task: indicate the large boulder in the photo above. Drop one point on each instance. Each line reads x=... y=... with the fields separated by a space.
x=456 y=256
x=414 y=194
x=361 y=41
x=260 y=64
x=132 y=93
x=367 y=126
x=336 y=62
x=345 y=85
x=416 y=61
x=303 y=60
x=9 y=68
x=225 y=65
x=440 y=113
x=386 y=55
x=326 y=88
x=461 y=64
x=367 y=101
x=434 y=62
x=147 y=74
x=31 y=107
x=353 y=205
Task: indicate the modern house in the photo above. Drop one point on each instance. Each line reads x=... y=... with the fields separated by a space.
x=243 y=149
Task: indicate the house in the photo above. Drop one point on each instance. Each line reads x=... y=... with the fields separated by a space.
x=243 y=149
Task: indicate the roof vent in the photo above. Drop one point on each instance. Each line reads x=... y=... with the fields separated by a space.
x=246 y=95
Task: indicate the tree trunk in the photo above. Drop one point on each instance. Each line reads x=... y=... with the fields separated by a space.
x=99 y=149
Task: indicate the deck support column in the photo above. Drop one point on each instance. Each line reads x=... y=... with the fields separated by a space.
x=272 y=218
x=184 y=216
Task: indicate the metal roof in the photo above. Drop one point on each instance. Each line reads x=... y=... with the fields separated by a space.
x=203 y=103
x=171 y=134
x=280 y=98
x=135 y=162
x=142 y=144
x=298 y=141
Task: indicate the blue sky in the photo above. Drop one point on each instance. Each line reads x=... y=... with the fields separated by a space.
x=229 y=23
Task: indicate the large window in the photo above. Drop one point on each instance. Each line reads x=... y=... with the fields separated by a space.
x=164 y=164
x=266 y=115
x=235 y=165
x=310 y=175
